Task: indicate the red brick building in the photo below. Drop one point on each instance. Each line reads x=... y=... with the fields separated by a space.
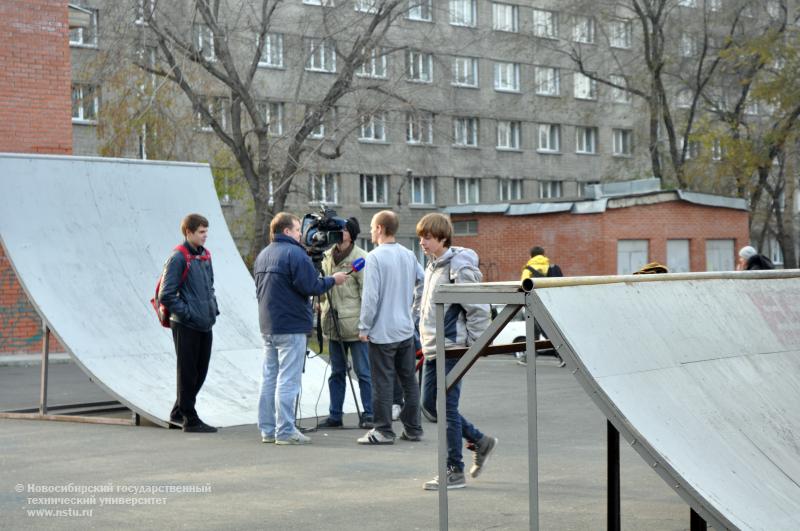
x=35 y=117
x=607 y=236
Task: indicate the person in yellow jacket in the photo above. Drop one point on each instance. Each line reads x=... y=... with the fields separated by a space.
x=538 y=266
x=342 y=306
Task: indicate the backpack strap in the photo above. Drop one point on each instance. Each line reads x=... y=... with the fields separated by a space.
x=534 y=272
x=205 y=257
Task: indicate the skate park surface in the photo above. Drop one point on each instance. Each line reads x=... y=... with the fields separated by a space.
x=332 y=483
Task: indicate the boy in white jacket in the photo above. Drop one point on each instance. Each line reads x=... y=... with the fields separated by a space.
x=463 y=323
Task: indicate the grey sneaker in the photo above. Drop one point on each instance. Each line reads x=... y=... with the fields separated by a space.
x=295 y=438
x=455 y=480
x=268 y=438
x=373 y=436
x=523 y=360
x=483 y=449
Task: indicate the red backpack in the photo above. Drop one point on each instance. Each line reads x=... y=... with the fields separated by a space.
x=162 y=311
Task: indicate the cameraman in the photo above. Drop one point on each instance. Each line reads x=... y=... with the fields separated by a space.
x=285 y=279
x=341 y=309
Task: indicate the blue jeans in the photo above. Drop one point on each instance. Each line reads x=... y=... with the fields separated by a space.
x=337 y=383
x=457 y=426
x=280 y=383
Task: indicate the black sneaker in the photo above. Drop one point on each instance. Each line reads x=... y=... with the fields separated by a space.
x=366 y=422
x=199 y=427
x=330 y=423
x=175 y=423
x=431 y=416
x=411 y=438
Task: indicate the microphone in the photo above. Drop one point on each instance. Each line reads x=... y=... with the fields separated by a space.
x=358 y=265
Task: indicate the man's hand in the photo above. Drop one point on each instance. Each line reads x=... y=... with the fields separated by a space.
x=339 y=278
x=363 y=338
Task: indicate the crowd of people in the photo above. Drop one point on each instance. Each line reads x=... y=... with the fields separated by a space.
x=377 y=317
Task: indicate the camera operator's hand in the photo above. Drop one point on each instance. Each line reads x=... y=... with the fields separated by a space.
x=364 y=338
x=339 y=278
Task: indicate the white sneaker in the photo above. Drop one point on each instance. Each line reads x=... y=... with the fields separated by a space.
x=295 y=438
x=373 y=436
x=396 y=409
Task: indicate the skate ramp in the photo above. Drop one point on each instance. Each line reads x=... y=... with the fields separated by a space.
x=88 y=238
x=702 y=377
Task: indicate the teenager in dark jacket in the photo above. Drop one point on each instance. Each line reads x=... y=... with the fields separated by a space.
x=285 y=281
x=193 y=311
x=750 y=260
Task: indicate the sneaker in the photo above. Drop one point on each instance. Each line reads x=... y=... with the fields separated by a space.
x=331 y=423
x=410 y=438
x=175 y=423
x=523 y=360
x=199 y=427
x=396 y=409
x=366 y=422
x=295 y=438
x=373 y=436
x=268 y=438
x=455 y=480
x=431 y=416
x=483 y=449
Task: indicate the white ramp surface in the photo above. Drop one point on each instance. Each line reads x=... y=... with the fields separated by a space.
x=88 y=238
x=703 y=378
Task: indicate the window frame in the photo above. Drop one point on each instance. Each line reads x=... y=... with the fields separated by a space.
x=553 y=135
x=268 y=49
x=323 y=50
x=587 y=23
x=267 y=108
x=551 y=189
x=420 y=122
x=553 y=80
x=202 y=34
x=421 y=184
x=584 y=87
x=515 y=70
x=514 y=135
x=586 y=140
x=324 y=179
x=470 y=21
x=470 y=185
x=623 y=39
x=376 y=57
x=373 y=123
x=469 y=125
x=420 y=6
x=81 y=106
x=514 y=11
x=472 y=65
x=80 y=31
x=378 y=181
x=420 y=60
x=547 y=27
x=509 y=188
x=622 y=142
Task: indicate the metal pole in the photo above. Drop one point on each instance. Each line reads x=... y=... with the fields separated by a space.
x=533 y=444
x=696 y=522
x=441 y=415
x=613 y=509
x=45 y=360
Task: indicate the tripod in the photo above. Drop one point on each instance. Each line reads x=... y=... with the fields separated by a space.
x=338 y=330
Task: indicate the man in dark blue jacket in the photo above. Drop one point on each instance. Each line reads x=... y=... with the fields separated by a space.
x=285 y=281
x=193 y=311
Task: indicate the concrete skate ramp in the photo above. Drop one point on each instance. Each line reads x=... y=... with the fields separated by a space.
x=88 y=238
x=702 y=377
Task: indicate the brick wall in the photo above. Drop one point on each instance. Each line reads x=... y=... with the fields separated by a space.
x=35 y=117
x=586 y=244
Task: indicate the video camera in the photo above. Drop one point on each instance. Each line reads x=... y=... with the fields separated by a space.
x=319 y=232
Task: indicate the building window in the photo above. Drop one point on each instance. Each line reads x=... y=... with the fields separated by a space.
x=217 y=107
x=585 y=87
x=547 y=81
x=545 y=23
x=465 y=228
x=463 y=12
x=465 y=71
x=272 y=54
x=619 y=95
x=623 y=142
x=366 y=244
x=374 y=65
x=584 y=30
x=85 y=35
x=631 y=255
x=549 y=189
x=687 y=3
x=692 y=149
x=509 y=189
x=328 y=119
x=326 y=3
x=688 y=45
x=373 y=127
x=420 y=10
x=203 y=41
x=144 y=11
x=85 y=103
x=716 y=150
x=506 y=76
x=719 y=255
x=549 y=138
x=585 y=187
x=505 y=17
x=678 y=256
x=465 y=132
x=419 y=128
x=325 y=189
x=714 y=5
x=508 y=133
x=320 y=55
x=366 y=6
x=750 y=106
x=374 y=189
x=586 y=140
x=467 y=191
x=684 y=99
x=419 y=66
x=621 y=33
x=272 y=113
x=423 y=190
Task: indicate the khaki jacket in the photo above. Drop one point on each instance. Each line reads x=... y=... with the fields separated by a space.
x=346 y=298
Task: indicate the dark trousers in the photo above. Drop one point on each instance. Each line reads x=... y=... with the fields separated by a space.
x=386 y=361
x=193 y=350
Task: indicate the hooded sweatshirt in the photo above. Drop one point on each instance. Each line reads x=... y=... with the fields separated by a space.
x=463 y=323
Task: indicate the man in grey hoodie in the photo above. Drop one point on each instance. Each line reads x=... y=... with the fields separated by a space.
x=463 y=324
x=389 y=305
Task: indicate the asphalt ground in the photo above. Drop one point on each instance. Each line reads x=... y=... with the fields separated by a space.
x=102 y=477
